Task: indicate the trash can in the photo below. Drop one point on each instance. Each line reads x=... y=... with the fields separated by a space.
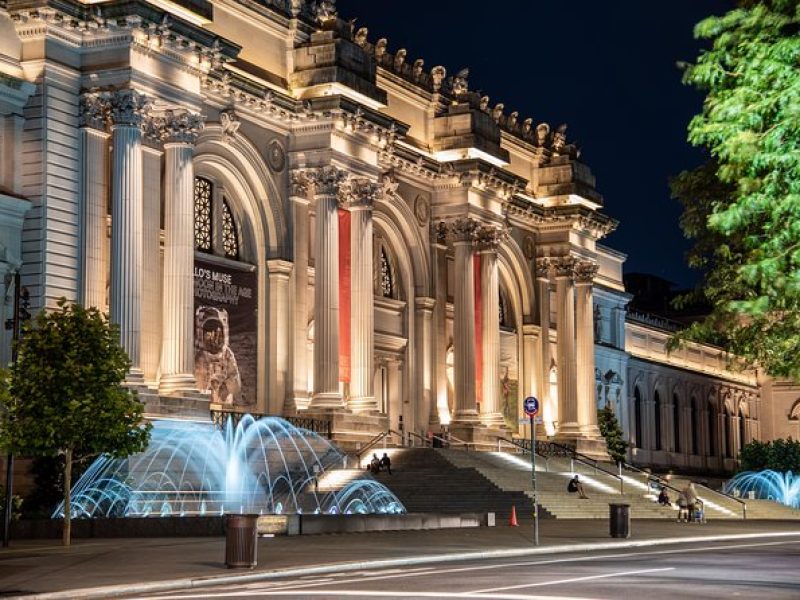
x=619 y=519
x=241 y=541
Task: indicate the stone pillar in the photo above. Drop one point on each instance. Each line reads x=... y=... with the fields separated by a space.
x=567 y=397
x=440 y=410
x=423 y=361
x=279 y=338
x=94 y=198
x=177 y=348
x=361 y=196
x=466 y=411
x=326 y=182
x=299 y=291
x=490 y=324
x=127 y=113
x=587 y=406
x=549 y=405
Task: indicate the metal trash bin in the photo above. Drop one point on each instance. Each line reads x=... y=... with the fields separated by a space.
x=241 y=541
x=619 y=519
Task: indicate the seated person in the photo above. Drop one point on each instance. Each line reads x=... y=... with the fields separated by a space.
x=386 y=463
x=663 y=497
x=574 y=486
x=375 y=464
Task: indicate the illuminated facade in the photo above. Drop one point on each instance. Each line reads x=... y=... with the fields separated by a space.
x=286 y=217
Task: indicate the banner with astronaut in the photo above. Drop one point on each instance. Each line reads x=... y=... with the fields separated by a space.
x=225 y=334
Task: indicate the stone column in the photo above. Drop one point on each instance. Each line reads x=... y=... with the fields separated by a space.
x=423 y=361
x=587 y=406
x=127 y=113
x=463 y=233
x=549 y=405
x=440 y=410
x=361 y=196
x=567 y=398
x=488 y=241
x=326 y=182
x=177 y=348
x=299 y=292
x=279 y=337
x=94 y=197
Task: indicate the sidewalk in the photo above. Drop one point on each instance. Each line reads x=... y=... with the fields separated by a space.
x=44 y=566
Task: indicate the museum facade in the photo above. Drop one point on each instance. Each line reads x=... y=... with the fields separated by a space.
x=285 y=216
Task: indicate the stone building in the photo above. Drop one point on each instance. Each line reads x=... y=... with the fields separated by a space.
x=287 y=216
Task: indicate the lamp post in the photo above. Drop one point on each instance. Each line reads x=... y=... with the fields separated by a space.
x=21 y=305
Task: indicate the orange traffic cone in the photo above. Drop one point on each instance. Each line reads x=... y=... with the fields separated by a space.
x=513 y=521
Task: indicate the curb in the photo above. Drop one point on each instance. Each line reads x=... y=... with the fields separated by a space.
x=216 y=580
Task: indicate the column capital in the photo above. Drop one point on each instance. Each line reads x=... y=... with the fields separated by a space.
x=325 y=181
x=128 y=107
x=299 y=185
x=585 y=270
x=543 y=268
x=461 y=230
x=564 y=266
x=180 y=127
x=359 y=193
x=94 y=110
x=488 y=238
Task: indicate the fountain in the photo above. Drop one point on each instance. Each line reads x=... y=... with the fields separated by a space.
x=265 y=466
x=767 y=485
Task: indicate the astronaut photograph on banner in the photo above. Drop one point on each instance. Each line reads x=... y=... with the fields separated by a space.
x=225 y=333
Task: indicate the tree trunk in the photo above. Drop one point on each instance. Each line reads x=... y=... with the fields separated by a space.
x=67 y=492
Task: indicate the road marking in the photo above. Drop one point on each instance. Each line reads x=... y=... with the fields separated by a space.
x=571 y=580
x=301 y=585
x=382 y=594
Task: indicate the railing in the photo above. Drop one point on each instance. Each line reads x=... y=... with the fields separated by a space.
x=319 y=426
x=524 y=447
x=426 y=443
x=371 y=444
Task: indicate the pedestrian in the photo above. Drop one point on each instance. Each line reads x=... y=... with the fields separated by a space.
x=575 y=486
x=691 y=500
x=386 y=463
x=683 y=507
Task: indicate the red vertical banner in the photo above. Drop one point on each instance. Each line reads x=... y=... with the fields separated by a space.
x=344 y=295
x=476 y=267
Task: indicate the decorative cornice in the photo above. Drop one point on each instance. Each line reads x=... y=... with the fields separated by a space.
x=585 y=270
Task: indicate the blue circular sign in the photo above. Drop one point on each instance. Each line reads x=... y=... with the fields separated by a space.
x=531 y=406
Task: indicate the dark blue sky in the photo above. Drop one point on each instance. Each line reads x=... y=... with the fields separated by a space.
x=604 y=67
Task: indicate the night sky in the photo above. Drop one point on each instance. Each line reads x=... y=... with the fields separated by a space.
x=606 y=68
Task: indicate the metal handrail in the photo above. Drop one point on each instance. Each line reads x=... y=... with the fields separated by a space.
x=425 y=441
x=524 y=448
x=451 y=438
x=370 y=445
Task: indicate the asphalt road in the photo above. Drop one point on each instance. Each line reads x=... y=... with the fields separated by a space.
x=764 y=570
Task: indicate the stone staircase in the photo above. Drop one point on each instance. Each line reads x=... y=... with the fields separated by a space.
x=425 y=481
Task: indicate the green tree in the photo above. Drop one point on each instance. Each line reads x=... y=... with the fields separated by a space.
x=612 y=432
x=778 y=455
x=65 y=394
x=743 y=207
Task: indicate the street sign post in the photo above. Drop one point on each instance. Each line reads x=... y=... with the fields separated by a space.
x=531 y=407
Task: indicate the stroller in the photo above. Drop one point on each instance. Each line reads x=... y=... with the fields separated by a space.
x=698 y=515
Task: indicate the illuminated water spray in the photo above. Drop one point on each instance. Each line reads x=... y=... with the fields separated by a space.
x=768 y=485
x=265 y=466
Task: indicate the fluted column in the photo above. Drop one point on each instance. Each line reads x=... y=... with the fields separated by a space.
x=488 y=240
x=440 y=408
x=127 y=112
x=325 y=183
x=361 y=196
x=584 y=317
x=94 y=196
x=549 y=405
x=463 y=234
x=177 y=349
x=299 y=290
x=567 y=398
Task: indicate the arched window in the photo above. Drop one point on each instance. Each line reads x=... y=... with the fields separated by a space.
x=230 y=239
x=742 y=428
x=728 y=433
x=695 y=409
x=203 y=233
x=657 y=419
x=676 y=422
x=637 y=412
x=386 y=276
x=215 y=229
x=712 y=430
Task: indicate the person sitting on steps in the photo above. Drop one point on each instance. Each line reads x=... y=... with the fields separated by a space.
x=374 y=465
x=574 y=486
x=663 y=497
x=386 y=463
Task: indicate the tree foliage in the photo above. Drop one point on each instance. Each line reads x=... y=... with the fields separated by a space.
x=65 y=394
x=779 y=455
x=612 y=432
x=743 y=207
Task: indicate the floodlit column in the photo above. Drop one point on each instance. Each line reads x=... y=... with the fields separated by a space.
x=490 y=324
x=463 y=233
x=177 y=346
x=423 y=360
x=299 y=291
x=440 y=409
x=94 y=192
x=567 y=397
x=326 y=289
x=549 y=405
x=127 y=112
x=584 y=317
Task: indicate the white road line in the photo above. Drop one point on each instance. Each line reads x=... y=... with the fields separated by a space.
x=301 y=585
x=570 y=580
x=382 y=594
